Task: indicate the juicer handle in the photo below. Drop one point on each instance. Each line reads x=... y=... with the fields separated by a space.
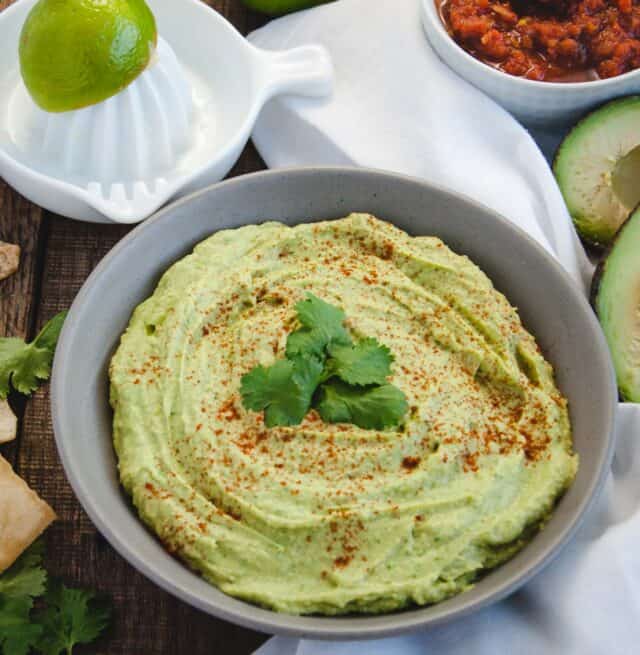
x=305 y=71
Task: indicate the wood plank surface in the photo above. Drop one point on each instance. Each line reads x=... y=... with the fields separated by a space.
x=58 y=255
x=21 y=223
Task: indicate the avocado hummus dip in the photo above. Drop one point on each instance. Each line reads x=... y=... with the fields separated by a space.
x=331 y=518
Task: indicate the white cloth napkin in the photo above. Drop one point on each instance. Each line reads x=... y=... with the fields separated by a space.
x=396 y=106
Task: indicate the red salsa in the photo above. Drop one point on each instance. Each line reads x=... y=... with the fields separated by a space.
x=553 y=40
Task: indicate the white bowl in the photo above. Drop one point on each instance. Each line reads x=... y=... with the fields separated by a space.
x=539 y=104
x=229 y=80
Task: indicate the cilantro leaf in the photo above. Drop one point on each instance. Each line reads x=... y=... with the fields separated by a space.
x=323 y=320
x=22 y=364
x=17 y=632
x=307 y=374
x=48 y=336
x=316 y=313
x=366 y=362
x=25 y=577
x=22 y=581
x=322 y=324
x=373 y=408
x=284 y=389
x=305 y=341
x=10 y=349
x=72 y=616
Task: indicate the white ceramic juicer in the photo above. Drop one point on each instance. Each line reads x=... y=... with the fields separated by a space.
x=178 y=126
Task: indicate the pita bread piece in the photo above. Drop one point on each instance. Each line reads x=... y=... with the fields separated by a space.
x=9 y=259
x=8 y=423
x=23 y=515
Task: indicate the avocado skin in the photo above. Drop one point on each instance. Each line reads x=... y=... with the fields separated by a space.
x=600 y=270
x=595 y=290
x=280 y=7
x=597 y=246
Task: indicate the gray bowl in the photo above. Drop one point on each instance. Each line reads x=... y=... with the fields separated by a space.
x=551 y=306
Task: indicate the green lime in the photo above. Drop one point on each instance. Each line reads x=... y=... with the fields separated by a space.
x=278 y=7
x=75 y=53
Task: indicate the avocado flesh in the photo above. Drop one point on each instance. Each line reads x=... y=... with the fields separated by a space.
x=598 y=167
x=617 y=303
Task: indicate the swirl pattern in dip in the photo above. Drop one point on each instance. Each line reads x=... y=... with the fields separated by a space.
x=329 y=519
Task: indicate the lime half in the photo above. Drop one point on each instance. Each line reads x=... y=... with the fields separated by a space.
x=75 y=53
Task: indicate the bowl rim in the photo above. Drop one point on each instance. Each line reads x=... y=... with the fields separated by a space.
x=431 y=13
x=269 y=621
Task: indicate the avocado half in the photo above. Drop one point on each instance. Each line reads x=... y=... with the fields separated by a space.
x=597 y=167
x=615 y=295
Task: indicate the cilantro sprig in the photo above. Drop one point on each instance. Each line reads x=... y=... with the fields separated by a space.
x=18 y=633
x=22 y=364
x=324 y=369
x=72 y=616
x=64 y=617
x=25 y=577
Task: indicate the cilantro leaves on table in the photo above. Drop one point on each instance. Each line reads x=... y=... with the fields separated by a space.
x=371 y=408
x=26 y=576
x=325 y=369
x=69 y=617
x=72 y=616
x=22 y=364
x=18 y=633
x=23 y=581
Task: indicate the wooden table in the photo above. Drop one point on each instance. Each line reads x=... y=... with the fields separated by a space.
x=57 y=256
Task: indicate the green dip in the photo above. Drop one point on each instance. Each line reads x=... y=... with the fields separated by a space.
x=331 y=519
